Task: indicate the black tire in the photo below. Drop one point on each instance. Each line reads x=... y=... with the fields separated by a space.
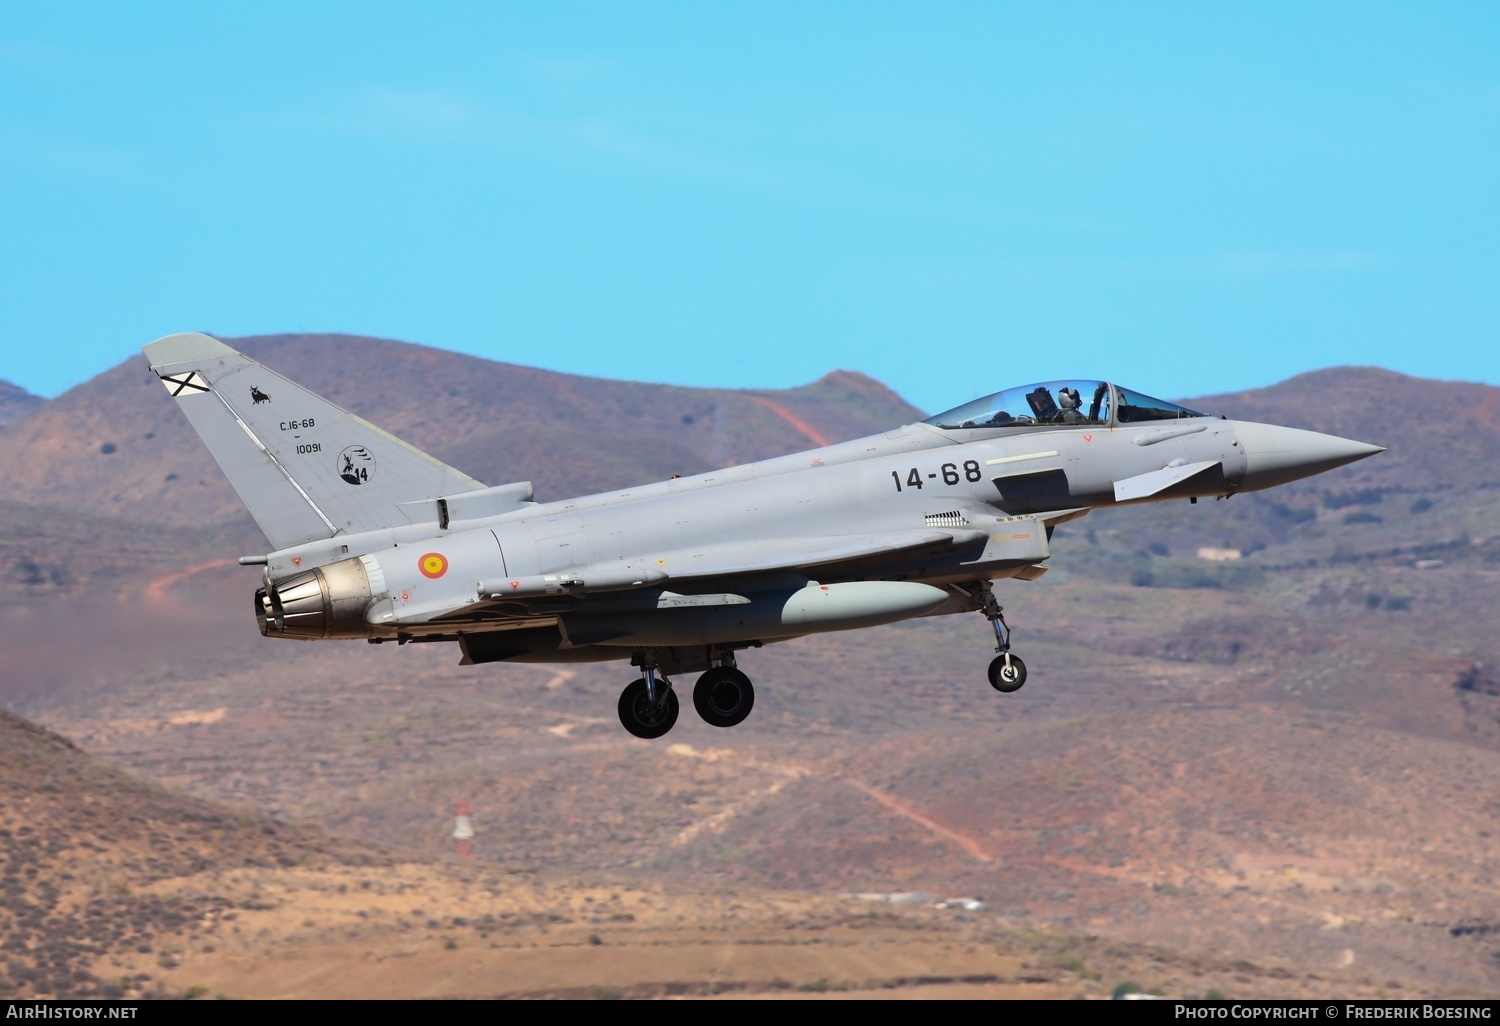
x=643 y=719
x=1004 y=681
x=723 y=696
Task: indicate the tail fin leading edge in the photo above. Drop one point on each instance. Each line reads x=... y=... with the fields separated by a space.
x=303 y=467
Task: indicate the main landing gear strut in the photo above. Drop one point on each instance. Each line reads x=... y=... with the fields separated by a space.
x=1007 y=672
x=648 y=707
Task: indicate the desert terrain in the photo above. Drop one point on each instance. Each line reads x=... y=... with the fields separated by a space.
x=1276 y=774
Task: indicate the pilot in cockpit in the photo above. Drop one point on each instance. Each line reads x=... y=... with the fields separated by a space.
x=1070 y=402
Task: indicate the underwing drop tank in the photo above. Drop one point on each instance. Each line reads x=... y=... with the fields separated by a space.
x=776 y=614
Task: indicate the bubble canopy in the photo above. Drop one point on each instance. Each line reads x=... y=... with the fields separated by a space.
x=1076 y=403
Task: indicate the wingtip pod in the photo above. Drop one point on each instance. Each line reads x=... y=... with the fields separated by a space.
x=185 y=347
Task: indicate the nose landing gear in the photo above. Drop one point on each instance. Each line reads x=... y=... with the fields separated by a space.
x=1007 y=673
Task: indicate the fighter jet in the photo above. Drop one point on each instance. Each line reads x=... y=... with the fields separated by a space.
x=372 y=538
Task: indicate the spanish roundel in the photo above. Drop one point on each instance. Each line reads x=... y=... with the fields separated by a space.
x=433 y=565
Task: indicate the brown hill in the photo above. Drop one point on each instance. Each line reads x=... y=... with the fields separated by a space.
x=15 y=403
x=114 y=446
x=113 y=887
x=1439 y=432
x=1287 y=825
x=1268 y=776
x=78 y=840
x=47 y=551
x=1429 y=497
x=1207 y=809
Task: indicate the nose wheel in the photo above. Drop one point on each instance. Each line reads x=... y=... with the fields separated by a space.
x=1007 y=673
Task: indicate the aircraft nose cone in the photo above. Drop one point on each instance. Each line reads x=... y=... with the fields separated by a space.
x=1275 y=455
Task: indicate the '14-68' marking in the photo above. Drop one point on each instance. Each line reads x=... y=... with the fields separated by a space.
x=950 y=474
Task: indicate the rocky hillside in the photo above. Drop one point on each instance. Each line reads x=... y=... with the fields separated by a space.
x=1272 y=773
x=15 y=403
x=79 y=842
x=115 y=445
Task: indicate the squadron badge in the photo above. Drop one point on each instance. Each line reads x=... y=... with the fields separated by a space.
x=356 y=465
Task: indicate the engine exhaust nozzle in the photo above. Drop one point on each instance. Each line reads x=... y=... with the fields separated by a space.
x=325 y=602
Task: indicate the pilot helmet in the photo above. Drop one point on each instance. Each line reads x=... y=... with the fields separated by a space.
x=1068 y=399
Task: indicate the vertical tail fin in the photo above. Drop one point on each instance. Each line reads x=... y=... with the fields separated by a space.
x=303 y=467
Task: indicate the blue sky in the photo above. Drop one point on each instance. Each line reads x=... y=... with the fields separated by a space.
x=954 y=198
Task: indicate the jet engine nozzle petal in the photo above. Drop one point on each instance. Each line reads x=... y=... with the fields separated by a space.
x=1275 y=455
x=325 y=602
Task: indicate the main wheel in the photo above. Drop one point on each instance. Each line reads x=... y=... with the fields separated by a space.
x=723 y=696
x=643 y=719
x=1007 y=678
